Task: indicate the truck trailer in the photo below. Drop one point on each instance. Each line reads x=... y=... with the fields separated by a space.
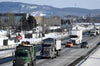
x=50 y=48
x=25 y=55
x=76 y=36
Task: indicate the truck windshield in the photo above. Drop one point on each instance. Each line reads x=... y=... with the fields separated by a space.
x=21 y=54
x=69 y=42
x=73 y=36
x=45 y=45
x=92 y=32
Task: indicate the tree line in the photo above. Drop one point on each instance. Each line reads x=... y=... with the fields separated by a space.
x=22 y=24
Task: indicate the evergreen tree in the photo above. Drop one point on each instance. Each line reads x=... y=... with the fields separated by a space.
x=31 y=22
x=24 y=23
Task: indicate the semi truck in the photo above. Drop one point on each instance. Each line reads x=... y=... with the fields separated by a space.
x=95 y=31
x=76 y=36
x=50 y=48
x=25 y=55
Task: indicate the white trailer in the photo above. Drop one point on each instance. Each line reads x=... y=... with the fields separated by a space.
x=76 y=36
x=58 y=44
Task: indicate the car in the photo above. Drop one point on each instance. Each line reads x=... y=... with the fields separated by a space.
x=69 y=44
x=98 y=43
x=84 y=45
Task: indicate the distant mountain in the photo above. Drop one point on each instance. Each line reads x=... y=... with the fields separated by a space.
x=44 y=10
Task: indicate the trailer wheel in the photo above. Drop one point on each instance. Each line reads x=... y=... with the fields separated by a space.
x=58 y=53
x=55 y=54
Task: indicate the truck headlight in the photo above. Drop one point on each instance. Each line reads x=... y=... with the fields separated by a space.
x=26 y=64
x=13 y=61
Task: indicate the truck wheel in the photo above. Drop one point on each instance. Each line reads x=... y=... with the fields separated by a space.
x=28 y=64
x=53 y=55
x=13 y=64
x=87 y=47
x=42 y=57
x=34 y=63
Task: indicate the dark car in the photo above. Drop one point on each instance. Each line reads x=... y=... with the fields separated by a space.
x=84 y=45
x=98 y=43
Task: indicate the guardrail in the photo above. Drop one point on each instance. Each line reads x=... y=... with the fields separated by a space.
x=5 y=55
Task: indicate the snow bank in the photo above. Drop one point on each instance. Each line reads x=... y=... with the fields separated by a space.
x=49 y=35
x=83 y=28
x=93 y=60
x=35 y=39
x=3 y=33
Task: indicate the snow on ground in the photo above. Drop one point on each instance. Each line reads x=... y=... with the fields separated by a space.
x=39 y=13
x=3 y=33
x=55 y=35
x=88 y=23
x=93 y=60
x=49 y=35
x=83 y=28
x=54 y=27
x=35 y=40
x=33 y=7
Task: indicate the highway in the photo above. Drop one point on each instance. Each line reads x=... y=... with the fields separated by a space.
x=68 y=55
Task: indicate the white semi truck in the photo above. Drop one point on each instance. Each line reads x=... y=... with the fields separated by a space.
x=76 y=36
x=95 y=31
x=98 y=29
x=50 y=48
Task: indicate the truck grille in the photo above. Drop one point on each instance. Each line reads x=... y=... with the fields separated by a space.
x=46 y=52
x=19 y=62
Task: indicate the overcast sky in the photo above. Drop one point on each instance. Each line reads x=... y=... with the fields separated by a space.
x=88 y=4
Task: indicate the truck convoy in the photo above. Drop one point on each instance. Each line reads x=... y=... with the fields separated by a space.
x=25 y=55
x=50 y=48
x=76 y=36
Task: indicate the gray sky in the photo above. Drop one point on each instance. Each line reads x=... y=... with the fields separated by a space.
x=89 y=4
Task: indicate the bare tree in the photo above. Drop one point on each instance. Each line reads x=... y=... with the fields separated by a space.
x=12 y=20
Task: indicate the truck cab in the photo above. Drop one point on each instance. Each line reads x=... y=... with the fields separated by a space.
x=50 y=48
x=93 y=32
x=76 y=36
x=25 y=55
